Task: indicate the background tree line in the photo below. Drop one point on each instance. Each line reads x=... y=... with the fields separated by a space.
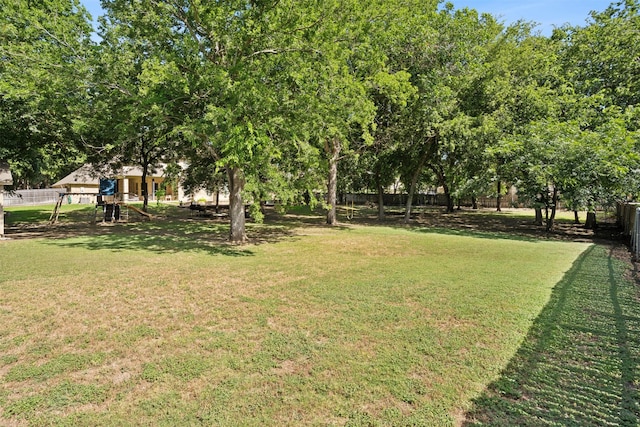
x=294 y=99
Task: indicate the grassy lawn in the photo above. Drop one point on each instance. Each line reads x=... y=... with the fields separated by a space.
x=162 y=323
x=578 y=365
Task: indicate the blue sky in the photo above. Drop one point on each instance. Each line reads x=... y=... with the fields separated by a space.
x=547 y=13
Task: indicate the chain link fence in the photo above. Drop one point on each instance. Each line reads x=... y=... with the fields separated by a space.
x=32 y=197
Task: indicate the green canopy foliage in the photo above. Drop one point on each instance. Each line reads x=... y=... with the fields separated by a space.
x=44 y=46
x=267 y=98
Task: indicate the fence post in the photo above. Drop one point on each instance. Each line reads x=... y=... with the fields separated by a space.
x=635 y=234
x=1 y=212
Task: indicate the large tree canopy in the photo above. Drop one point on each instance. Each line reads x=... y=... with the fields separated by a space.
x=266 y=97
x=44 y=46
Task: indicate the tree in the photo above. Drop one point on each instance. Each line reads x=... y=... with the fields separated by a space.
x=391 y=94
x=601 y=59
x=44 y=48
x=587 y=168
x=446 y=60
x=238 y=58
x=340 y=81
x=143 y=94
x=592 y=119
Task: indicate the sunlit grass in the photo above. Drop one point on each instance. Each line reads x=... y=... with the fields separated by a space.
x=162 y=323
x=42 y=213
x=579 y=363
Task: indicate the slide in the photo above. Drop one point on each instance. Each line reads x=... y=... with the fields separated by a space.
x=140 y=211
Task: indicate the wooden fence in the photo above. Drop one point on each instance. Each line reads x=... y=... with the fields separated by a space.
x=626 y=216
x=422 y=200
x=628 y=219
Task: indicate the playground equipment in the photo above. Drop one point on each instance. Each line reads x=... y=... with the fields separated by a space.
x=53 y=218
x=350 y=209
x=112 y=207
x=139 y=211
x=113 y=210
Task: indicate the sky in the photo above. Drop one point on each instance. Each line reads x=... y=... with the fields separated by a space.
x=547 y=13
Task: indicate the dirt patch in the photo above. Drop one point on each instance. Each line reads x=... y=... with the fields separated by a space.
x=517 y=222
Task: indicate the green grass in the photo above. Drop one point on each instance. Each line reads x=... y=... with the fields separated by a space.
x=163 y=323
x=40 y=214
x=579 y=363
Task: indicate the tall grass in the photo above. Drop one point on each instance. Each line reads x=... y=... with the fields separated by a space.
x=162 y=324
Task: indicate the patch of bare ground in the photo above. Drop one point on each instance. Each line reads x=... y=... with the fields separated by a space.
x=516 y=222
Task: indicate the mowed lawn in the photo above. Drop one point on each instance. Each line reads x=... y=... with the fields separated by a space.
x=161 y=324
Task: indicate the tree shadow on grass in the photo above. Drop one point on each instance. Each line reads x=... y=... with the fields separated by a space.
x=173 y=229
x=159 y=241
x=493 y=235
x=578 y=364
x=164 y=236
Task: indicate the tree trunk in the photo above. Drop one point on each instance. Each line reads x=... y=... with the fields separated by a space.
x=474 y=203
x=499 y=197
x=145 y=192
x=1 y=216
x=554 y=206
x=590 y=223
x=380 y=202
x=144 y=163
x=538 y=220
x=576 y=218
x=414 y=183
x=332 y=148
x=409 y=203
x=447 y=194
x=237 y=232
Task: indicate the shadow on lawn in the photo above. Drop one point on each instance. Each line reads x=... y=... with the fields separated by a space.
x=578 y=365
x=166 y=236
x=159 y=241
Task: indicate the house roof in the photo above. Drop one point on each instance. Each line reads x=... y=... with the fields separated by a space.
x=5 y=174
x=88 y=175
x=128 y=171
x=85 y=175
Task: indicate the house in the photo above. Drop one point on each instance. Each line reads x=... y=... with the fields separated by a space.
x=83 y=185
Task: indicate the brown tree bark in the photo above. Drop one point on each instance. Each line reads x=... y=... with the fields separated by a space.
x=554 y=207
x=590 y=223
x=332 y=148
x=414 y=183
x=145 y=192
x=499 y=197
x=538 y=220
x=380 y=202
x=447 y=194
x=237 y=233
x=409 y=202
